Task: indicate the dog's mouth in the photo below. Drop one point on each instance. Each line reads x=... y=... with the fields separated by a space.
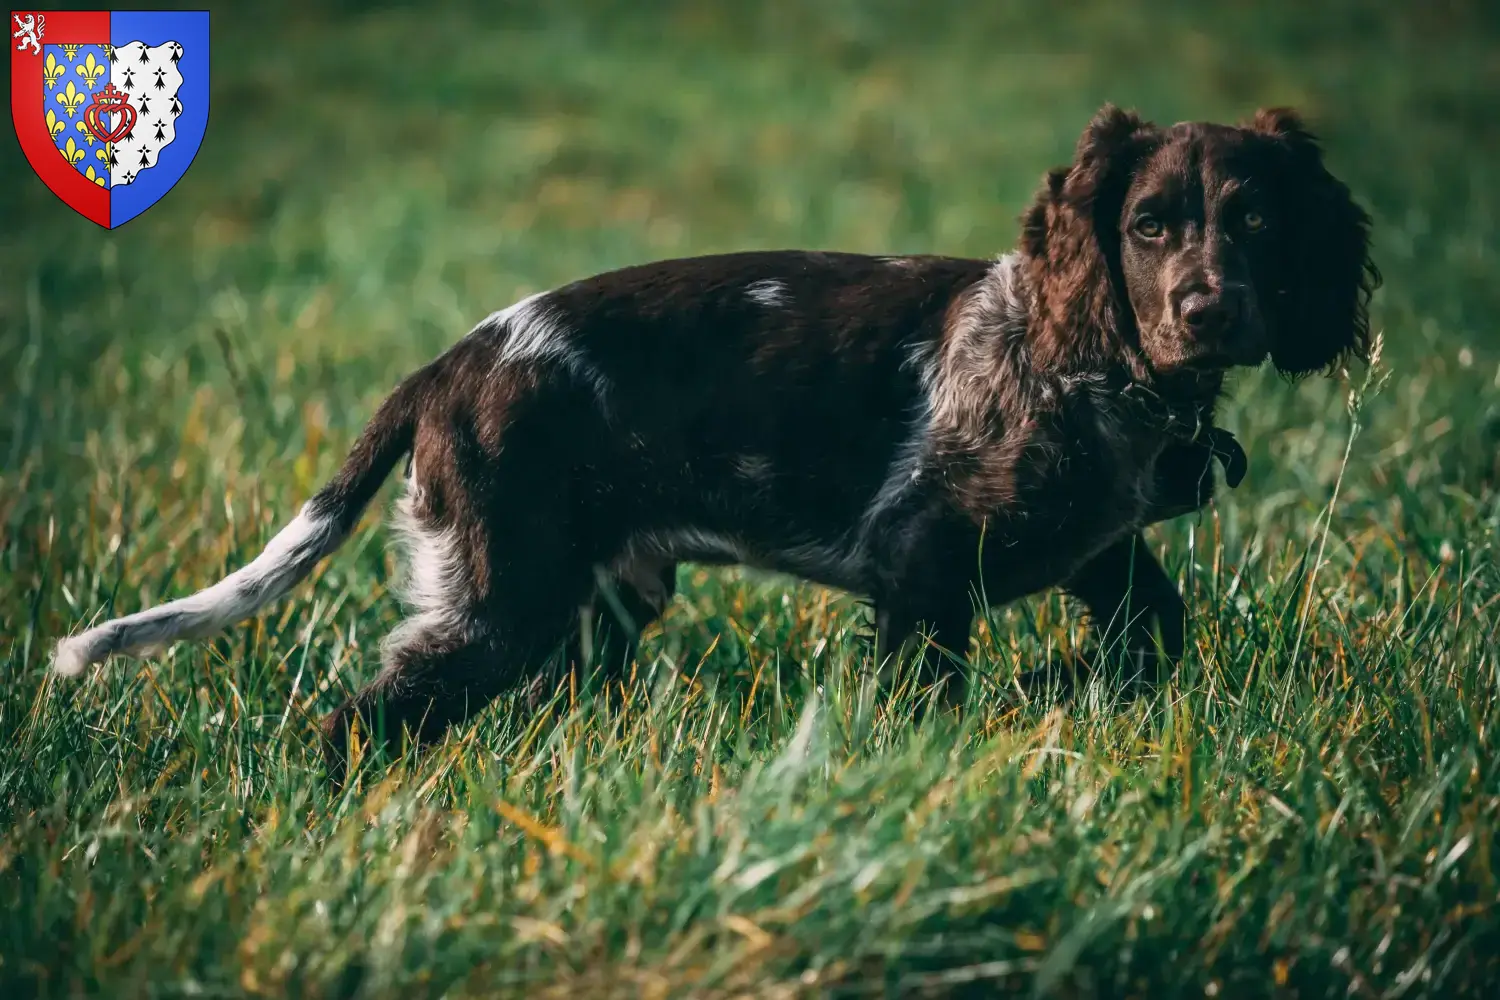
x=1244 y=348
x=1200 y=364
x=1211 y=362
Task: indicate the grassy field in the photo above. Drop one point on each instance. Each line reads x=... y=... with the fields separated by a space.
x=1310 y=810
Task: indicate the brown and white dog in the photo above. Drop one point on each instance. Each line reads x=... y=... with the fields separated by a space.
x=912 y=429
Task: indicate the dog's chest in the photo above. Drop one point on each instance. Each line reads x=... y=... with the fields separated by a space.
x=1061 y=488
x=1122 y=462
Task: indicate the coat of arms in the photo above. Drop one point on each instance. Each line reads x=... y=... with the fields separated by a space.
x=110 y=106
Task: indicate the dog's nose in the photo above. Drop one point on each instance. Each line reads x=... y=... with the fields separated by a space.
x=1209 y=312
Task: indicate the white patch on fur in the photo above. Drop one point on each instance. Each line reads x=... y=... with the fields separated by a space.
x=435 y=585
x=531 y=333
x=288 y=558
x=768 y=292
x=958 y=368
x=534 y=334
x=999 y=304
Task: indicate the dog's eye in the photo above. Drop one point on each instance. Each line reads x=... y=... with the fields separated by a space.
x=1150 y=227
x=1254 y=221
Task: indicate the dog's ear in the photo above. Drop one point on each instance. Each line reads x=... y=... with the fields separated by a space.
x=1070 y=237
x=1322 y=311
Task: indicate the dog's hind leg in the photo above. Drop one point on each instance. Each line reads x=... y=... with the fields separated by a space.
x=431 y=681
x=494 y=596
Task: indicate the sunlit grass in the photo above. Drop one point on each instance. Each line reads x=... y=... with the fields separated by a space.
x=1309 y=809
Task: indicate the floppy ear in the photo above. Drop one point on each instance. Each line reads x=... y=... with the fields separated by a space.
x=1322 y=314
x=1071 y=238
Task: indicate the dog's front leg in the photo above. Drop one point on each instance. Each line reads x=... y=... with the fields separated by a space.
x=936 y=632
x=1136 y=609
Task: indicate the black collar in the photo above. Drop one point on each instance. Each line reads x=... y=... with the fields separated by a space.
x=1187 y=422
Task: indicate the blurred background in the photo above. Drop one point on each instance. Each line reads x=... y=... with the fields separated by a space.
x=376 y=177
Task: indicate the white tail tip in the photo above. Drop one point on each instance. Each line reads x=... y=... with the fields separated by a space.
x=286 y=560
x=73 y=656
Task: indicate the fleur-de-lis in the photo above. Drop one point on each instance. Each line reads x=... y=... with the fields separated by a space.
x=71 y=51
x=109 y=52
x=88 y=136
x=71 y=152
x=71 y=98
x=55 y=124
x=91 y=70
x=96 y=178
x=106 y=155
x=51 y=70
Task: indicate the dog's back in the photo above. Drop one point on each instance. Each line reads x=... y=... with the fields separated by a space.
x=750 y=407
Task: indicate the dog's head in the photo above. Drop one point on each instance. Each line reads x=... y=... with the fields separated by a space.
x=1196 y=248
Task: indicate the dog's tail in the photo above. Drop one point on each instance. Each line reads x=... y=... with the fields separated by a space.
x=320 y=528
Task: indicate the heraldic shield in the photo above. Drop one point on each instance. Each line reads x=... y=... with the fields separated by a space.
x=110 y=106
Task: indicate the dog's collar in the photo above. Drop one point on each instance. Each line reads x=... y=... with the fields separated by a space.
x=1184 y=421
x=1191 y=423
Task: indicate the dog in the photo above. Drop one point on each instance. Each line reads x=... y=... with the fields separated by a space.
x=912 y=429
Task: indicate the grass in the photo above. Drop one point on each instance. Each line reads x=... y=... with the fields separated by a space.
x=1311 y=809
